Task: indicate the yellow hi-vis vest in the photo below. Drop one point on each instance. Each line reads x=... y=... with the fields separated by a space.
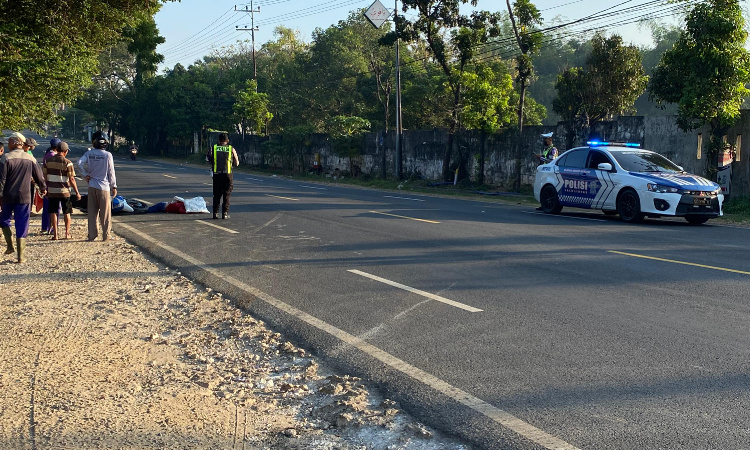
x=222 y=158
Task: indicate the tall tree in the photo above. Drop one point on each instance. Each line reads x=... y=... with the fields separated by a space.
x=452 y=39
x=46 y=58
x=706 y=72
x=251 y=107
x=525 y=18
x=609 y=85
x=488 y=105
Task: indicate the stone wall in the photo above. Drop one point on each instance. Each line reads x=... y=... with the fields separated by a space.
x=423 y=149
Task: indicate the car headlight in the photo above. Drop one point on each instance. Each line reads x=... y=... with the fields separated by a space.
x=660 y=188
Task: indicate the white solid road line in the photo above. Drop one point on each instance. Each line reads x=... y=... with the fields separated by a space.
x=253 y=179
x=312 y=187
x=404 y=198
x=499 y=416
x=205 y=222
x=169 y=176
x=416 y=291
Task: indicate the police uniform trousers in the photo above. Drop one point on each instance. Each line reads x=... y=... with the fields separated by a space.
x=223 y=185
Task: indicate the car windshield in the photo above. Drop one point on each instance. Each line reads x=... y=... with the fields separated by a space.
x=640 y=161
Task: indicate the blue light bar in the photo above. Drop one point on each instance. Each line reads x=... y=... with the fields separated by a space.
x=603 y=143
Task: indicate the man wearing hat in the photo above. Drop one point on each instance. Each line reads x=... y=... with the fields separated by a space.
x=46 y=217
x=16 y=169
x=61 y=183
x=550 y=151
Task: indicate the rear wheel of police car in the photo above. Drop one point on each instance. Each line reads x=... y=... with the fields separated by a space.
x=629 y=206
x=549 y=200
x=696 y=220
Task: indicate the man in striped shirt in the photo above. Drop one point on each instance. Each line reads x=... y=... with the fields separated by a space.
x=60 y=177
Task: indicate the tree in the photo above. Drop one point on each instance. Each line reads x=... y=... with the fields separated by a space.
x=42 y=67
x=525 y=18
x=251 y=107
x=112 y=98
x=452 y=40
x=488 y=105
x=609 y=85
x=706 y=72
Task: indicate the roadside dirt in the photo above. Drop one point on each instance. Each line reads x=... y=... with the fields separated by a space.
x=101 y=347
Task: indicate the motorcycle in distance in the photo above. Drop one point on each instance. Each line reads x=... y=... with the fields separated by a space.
x=133 y=150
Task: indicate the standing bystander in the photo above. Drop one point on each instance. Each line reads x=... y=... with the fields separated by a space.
x=101 y=180
x=222 y=157
x=60 y=177
x=16 y=169
x=51 y=153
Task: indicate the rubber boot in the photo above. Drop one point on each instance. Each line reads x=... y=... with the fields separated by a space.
x=8 y=240
x=21 y=244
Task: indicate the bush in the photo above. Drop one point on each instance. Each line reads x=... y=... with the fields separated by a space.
x=738 y=205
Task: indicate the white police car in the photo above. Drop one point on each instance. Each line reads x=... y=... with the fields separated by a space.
x=621 y=178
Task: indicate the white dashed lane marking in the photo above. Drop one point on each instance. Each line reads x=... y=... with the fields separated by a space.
x=404 y=198
x=416 y=291
x=205 y=222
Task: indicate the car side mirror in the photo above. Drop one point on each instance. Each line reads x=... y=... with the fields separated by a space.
x=607 y=167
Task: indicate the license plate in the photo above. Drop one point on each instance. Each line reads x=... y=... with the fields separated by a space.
x=701 y=201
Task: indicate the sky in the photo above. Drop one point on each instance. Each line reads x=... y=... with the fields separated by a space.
x=192 y=28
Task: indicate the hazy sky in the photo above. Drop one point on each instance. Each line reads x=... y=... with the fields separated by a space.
x=193 y=27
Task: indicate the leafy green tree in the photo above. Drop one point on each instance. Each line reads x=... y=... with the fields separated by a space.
x=251 y=107
x=664 y=37
x=488 y=108
x=452 y=40
x=280 y=74
x=525 y=18
x=113 y=97
x=609 y=85
x=706 y=72
x=46 y=58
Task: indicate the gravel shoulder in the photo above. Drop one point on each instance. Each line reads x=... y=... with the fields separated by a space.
x=103 y=347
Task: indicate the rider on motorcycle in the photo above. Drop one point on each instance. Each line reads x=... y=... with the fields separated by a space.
x=133 y=150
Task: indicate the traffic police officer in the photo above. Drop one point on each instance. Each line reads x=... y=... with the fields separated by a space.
x=550 y=151
x=222 y=157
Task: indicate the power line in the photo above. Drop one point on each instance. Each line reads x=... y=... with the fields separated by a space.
x=305 y=12
x=186 y=41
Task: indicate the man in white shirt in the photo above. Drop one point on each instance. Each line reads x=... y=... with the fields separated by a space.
x=100 y=176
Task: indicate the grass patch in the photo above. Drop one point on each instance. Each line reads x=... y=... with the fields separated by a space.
x=738 y=205
x=737 y=210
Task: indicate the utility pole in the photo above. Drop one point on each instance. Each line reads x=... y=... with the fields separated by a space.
x=399 y=127
x=252 y=31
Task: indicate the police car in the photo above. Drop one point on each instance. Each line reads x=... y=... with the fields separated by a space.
x=622 y=178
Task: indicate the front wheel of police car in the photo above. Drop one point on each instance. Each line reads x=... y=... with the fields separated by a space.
x=549 y=200
x=629 y=206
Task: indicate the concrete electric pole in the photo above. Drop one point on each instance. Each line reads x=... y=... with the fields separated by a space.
x=252 y=31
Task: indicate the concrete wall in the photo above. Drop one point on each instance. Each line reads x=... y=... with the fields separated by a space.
x=423 y=149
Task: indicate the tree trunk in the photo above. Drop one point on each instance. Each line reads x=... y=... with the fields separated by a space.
x=447 y=158
x=482 y=153
x=519 y=147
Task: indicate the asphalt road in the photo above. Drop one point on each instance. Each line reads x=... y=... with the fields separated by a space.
x=509 y=328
